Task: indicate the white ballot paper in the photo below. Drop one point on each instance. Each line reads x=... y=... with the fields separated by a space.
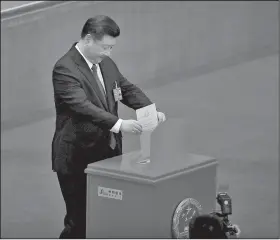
x=147 y=116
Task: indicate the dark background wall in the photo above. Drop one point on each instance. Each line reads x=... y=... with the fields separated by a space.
x=159 y=42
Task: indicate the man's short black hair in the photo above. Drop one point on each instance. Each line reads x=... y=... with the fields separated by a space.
x=206 y=227
x=99 y=26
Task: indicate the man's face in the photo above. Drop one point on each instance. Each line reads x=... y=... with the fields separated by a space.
x=97 y=50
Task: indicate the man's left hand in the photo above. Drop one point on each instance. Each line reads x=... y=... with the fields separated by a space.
x=161 y=117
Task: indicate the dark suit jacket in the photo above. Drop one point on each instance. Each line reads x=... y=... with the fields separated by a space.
x=83 y=120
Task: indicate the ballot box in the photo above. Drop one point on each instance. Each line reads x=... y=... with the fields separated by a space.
x=129 y=196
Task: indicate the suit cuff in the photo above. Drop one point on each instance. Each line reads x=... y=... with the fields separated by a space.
x=116 y=127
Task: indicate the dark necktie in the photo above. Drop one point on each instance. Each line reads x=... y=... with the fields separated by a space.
x=94 y=72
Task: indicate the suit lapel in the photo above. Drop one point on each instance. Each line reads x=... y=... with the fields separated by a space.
x=87 y=72
x=84 y=68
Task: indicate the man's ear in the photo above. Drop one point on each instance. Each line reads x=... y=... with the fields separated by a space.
x=88 y=39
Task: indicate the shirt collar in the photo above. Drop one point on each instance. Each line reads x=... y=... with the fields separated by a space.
x=90 y=64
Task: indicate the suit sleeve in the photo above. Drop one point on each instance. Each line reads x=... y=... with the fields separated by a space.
x=68 y=90
x=133 y=96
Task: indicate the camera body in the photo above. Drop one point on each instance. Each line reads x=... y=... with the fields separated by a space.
x=215 y=224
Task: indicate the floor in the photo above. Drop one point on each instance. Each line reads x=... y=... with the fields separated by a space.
x=230 y=114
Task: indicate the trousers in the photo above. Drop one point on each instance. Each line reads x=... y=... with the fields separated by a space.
x=73 y=188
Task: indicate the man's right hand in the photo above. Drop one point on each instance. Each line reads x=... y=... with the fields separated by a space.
x=131 y=126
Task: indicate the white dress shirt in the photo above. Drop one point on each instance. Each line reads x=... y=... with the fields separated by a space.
x=116 y=127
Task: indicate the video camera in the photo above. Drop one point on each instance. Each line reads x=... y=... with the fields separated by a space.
x=224 y=200
x=216 y=224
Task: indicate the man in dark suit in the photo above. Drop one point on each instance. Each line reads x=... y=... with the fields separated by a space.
x=88 y=128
